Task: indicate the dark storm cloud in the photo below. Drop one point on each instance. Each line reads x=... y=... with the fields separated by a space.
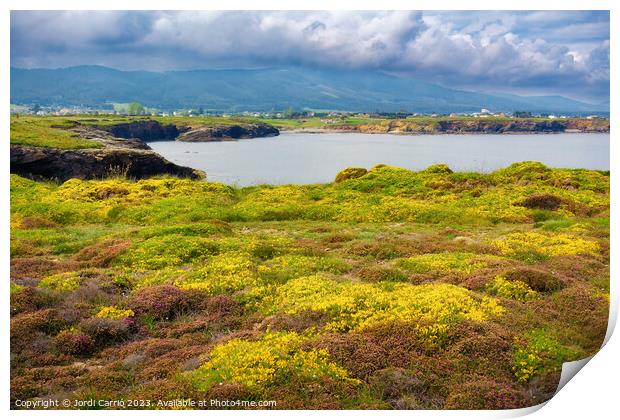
x=563 y=52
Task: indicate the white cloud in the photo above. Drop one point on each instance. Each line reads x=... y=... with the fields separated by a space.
x=496 y=48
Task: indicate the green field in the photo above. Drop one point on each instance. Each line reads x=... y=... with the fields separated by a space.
x=47 y=132
x=387 y=289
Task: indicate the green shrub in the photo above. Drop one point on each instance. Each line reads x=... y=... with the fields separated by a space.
x=543 y=215
x=292 y=266
x=169 y=250
x=542 y=353
x=439 y=168
x=350 y=173
x=527 y=170
x=194 y=229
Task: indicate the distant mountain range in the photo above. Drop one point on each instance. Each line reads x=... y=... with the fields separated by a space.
x=272 y=89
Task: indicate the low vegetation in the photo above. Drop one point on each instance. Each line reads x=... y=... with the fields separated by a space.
x=386 y=289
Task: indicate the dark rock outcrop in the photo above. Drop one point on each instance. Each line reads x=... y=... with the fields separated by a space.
x=46 y=163
x=150 y=130
x=145 y=130
x=228 y=132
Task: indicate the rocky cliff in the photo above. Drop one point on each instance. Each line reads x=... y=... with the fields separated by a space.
x=145 y=131
x=479 y=125
x=39 y=162
x=117 y=157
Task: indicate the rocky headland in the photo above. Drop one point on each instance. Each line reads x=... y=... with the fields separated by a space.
x=123 y=150
x=115 y=157
x=227 y=132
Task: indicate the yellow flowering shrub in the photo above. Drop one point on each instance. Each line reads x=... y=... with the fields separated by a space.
x=112 y=312
x=459 y=262
x=224 y=273
x=15 y=288
x=16 y=221
x=277 y=194
x=62 y=282
x=355 y=306
x=598 y=293
x=541 y=354
x=377 y=209
x=127 y=191
x=274 y=359
x=515 y=289
x=546 y=244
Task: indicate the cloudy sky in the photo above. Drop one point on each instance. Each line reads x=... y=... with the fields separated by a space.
x=539 y=52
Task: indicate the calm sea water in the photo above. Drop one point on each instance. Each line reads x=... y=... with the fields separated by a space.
x=304 y=158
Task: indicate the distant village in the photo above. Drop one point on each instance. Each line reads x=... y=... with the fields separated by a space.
x=138 y=109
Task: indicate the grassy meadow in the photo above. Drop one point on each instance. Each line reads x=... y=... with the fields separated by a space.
x=386 y=289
